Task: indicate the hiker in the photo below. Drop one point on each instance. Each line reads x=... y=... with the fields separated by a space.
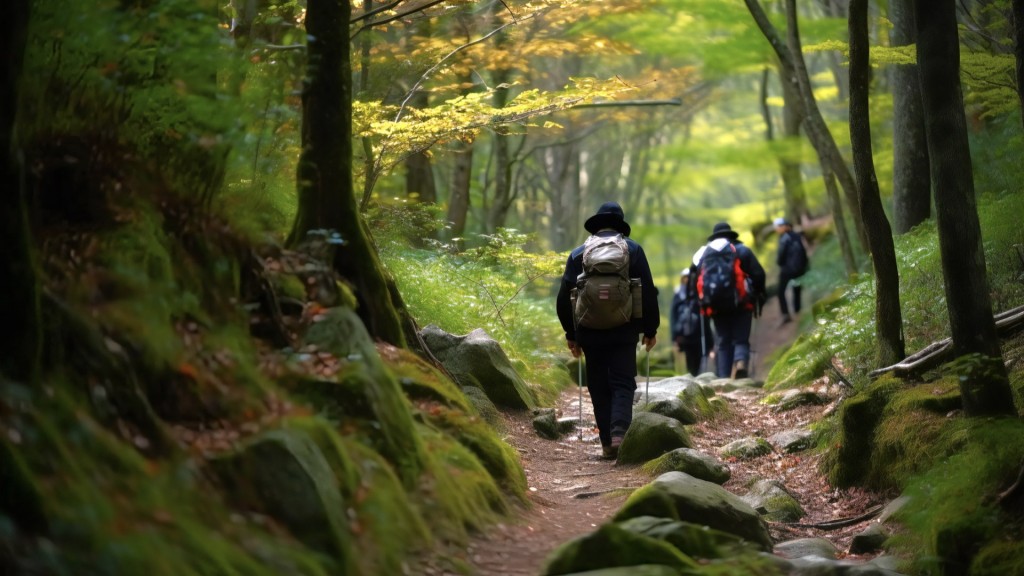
x=691 y=331
x=792 y=260
x=731 y=289
x=600 y=320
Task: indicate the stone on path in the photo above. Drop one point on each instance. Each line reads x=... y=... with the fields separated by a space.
x=651 y=435
x=692 y=462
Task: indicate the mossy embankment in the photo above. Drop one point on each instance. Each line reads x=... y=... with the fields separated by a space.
x=164 y=438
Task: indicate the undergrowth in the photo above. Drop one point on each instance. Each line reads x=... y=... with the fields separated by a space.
x=499 y=285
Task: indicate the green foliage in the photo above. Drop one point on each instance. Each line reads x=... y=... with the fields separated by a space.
x=498 y=286
x=952 y=511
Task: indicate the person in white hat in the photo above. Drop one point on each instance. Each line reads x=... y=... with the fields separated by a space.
x=691 y=332
x=792 y=260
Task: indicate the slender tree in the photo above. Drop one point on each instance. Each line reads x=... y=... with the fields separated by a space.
x=984 y=386
x=888 y=317
x=833 y=167
x=911 y=186
x=326 y=197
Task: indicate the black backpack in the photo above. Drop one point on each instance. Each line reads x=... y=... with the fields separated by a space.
x=722 y=285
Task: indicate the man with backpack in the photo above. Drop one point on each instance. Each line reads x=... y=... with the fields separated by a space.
x=606 y=300
x=731 y=289
x=691 y=331
x=792 y=260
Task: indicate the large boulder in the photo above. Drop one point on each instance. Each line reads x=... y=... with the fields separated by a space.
x=790 y=441
x=651 y=435
x=613 y=546
x=692 y=462
x=476 y=359
x=682 y=497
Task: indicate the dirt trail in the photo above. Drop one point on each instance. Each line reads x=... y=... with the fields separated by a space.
x=572 y=491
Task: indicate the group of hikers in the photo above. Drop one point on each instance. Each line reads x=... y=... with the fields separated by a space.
x=607 y=303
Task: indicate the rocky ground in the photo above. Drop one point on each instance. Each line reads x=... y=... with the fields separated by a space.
x=572 y=490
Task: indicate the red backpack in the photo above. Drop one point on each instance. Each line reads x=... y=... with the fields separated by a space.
x=722 y=285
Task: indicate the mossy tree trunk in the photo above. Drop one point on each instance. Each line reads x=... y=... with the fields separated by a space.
x=18 y=272
x=986 y=390
x=888 y=317
x=911 y=184
x=326 y=196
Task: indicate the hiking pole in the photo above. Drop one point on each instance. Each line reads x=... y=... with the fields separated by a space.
x=702 y=366
x=579 y=386
x=753 y=350
x=647 y=387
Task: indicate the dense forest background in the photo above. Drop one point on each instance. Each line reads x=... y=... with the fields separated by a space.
x=225 y=223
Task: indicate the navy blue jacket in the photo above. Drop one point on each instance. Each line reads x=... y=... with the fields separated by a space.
x=638 y=268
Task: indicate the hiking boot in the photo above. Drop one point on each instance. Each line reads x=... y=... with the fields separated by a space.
x=609 y=452
x=785 y=320
x=739 y=369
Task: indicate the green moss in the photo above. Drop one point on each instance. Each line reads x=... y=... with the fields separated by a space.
x=802 y=362
x=999 y=559
x=846 y=461
x=612 y=545
x=421 y=381
x=290 y=286
x=952 y=511
x=500 y=459
x=457 y=493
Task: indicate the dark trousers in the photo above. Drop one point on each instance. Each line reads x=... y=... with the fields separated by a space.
x=784 y=280
x=694 y=356
x=732 y=338
x=611 y=380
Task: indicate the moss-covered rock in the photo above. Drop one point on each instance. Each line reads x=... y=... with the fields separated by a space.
x=421 y=381
x=694 y=540
x=680 y=496
x=802 y=547
x=364 y=397
x=672 y=407
x=869 y=540
x=651 y=435
x=859 y=415
x=478 y=355
x=777 y=503
x=790 y=441
x=484 y=407
x=792 y=399
x=499 y=459
x=692 y=462
x=613 y=546
x=746 y=448
x=283 y=474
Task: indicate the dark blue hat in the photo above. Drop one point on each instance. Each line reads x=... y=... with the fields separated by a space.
x=609 y=215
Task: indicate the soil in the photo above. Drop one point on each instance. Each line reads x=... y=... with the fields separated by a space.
x=572 y=490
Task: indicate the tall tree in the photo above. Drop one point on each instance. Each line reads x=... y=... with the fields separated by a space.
x=326 y=197
x=833 y=166
x=911 y=186
x=984 y=386
x=20 y=304
x=888 y=317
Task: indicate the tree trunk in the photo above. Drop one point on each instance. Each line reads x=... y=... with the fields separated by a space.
x=458 y=202
x=497 y=212
x=1018 y=50
x=911 y=186
x=18 y=270
x=984 y=388
x=817 y=131
x=419 y=172
x=888 y=317
x=326 y=198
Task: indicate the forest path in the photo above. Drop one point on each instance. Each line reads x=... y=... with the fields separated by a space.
x=572 y=491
